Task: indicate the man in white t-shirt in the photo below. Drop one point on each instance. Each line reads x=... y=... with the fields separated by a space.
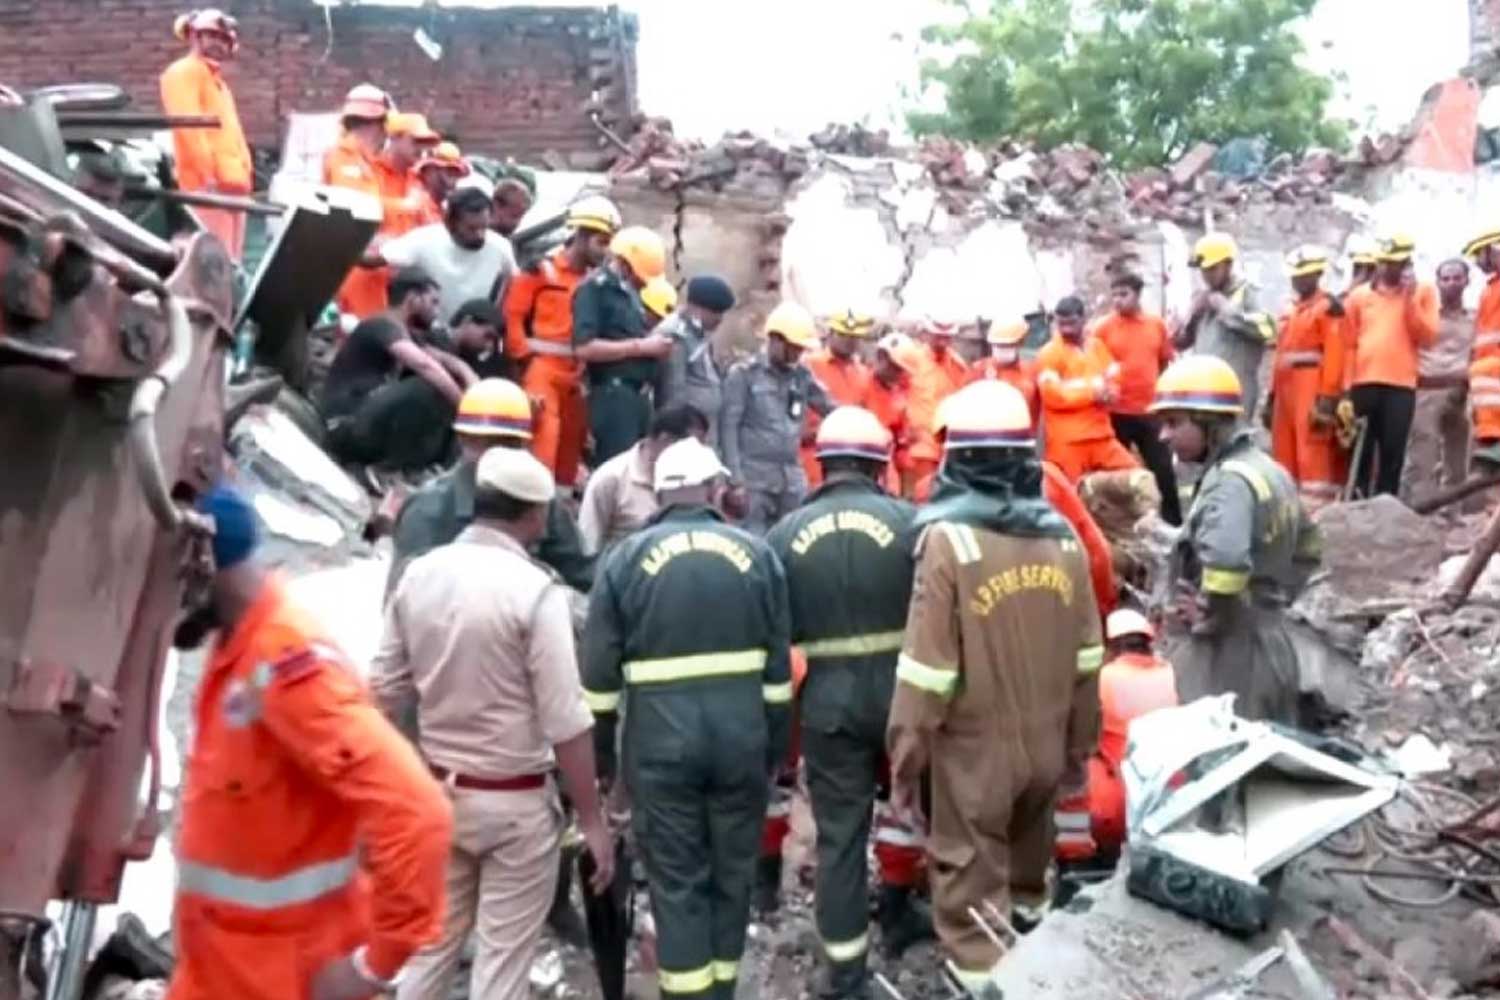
x=466 y=258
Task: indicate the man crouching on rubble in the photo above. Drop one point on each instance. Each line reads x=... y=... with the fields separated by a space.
x=1246 y=550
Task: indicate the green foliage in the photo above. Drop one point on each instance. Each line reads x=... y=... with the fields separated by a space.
x=1139 y=80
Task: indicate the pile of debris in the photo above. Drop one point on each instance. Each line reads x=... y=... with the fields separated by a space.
x=741 y=162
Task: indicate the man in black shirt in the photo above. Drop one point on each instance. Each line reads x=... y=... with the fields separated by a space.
x=473 y=336
x=374 y=417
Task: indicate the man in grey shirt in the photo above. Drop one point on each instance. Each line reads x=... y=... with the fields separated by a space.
x=1226 y=321
x=690 y=374
x=466 y=258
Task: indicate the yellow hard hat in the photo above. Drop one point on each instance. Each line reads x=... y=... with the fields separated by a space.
x=853 y=432
x=659 y=297
x=494 y=407
x=596 y=213
x=642 y=250
x=905 y=353
x=1127 y=621
x=985 y=414
x=1199 y=383
x=1007 y=334
x=1396 y=248
x=1211 y=249
x=1307 y=259
x=1362 y=250
x=794 y=324
x=1488 y=238
x=851 y=324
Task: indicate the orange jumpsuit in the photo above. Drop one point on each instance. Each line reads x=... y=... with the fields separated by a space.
x=1080 y=437
x=1484 y=371
x=402 y=201
x=847 y=381
x=939 y=378
x=209 y=159
x=888 y=403
x=309 y=826
x=539 y=326
x=1308 y=364
x=1130 y=685
x=1021 y=376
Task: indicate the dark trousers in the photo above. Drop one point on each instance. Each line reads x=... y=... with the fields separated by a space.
x=403 y=425
x=841 y=773
x=619 y=416
x=1388 y=409
x=1142 y=432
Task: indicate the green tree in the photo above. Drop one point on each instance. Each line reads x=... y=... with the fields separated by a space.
x=1139 y=80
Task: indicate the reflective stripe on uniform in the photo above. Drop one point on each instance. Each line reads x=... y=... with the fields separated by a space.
x=847 y=951
x=601 y=701
x=1251 y=475
x=1485 y=399
x=1071 y=821
x=965 y=543
x=725 y=969
x=1490 y=382
x=940 y=681
x=1225 y=581
x=692 y=981
x=697 y=665
x=551 y=348
x=1302 y=358
x=897 y=836
x=1090 y=659
x=777 y=694
x=300 y=886
x=856 y=645
x=1487 y=339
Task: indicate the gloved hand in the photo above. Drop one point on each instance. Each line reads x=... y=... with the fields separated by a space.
x=1323 y=411
x=1345 y=423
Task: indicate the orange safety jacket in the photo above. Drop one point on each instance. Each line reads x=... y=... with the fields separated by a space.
x=1487 y=320
x=1130 y=685
x=939 y=378
x=888 y=403
x=1142 y=347
x=1386 y=330
x=539 y=310
x=1021 y=376
x=1069 y=377
x=847 y=382
x=402 y=196
x=309 y=825
x=215 y=159
x=1311 y=339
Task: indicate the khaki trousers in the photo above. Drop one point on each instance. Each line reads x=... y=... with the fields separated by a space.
x=502 y=874
x=1437 y=454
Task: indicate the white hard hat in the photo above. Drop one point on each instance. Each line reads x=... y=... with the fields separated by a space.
x=688 y=462
x=1127 y=621
x=515 y=472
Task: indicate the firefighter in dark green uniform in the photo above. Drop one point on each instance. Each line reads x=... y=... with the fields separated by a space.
x=688 y=621
x=610 y=338
x=847 y=552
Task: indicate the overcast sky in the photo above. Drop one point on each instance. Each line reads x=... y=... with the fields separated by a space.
x=795 y=65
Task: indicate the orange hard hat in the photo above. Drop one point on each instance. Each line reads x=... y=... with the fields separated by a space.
x=412 y=124
x=1199 y=383
x=794 y=324
x=494 y=407
x=366 y=102
x=904 y=352
x=642 y=250
x=985 y=414
x=853 y=432
x=446 y=156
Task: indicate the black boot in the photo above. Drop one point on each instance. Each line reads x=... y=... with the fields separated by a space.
x=846 y=981
x=768 y=885
x=904 y=920
x=562 y=918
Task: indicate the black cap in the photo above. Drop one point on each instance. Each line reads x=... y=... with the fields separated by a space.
x=479 y=310
x=709 y=291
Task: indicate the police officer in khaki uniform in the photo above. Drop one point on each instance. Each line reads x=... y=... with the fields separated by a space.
x=997 y=678
x=688 y=623
x=1247 y=550
x=765 y=405
x=479 y=636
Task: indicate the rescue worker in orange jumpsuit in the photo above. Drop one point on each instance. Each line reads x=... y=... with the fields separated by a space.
x=210 y=160
x=539 y=336
x=439 y=170
x=404 y=196
x=942 y=374
x=1306 y=378
x=897 y=358
x=1484 y=370
x=1006 y=364
x=313 y=841
x=995 y=684
x=843 y=374
x=1077 y=381
x=352 y=163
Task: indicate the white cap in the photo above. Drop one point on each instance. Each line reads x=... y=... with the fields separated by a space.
x=478 y=182
x=515 y=472
x=688 y=462
x=1127 y=621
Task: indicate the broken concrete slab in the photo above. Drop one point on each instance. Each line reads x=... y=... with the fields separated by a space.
x=1376 y=552
x=1193 y=163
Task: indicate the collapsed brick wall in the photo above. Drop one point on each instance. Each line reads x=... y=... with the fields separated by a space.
x=513 y=81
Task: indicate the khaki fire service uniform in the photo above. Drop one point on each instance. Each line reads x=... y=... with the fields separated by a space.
x=847 y=554
x=1248 y=548
x=997 y=690
x=688 y=624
